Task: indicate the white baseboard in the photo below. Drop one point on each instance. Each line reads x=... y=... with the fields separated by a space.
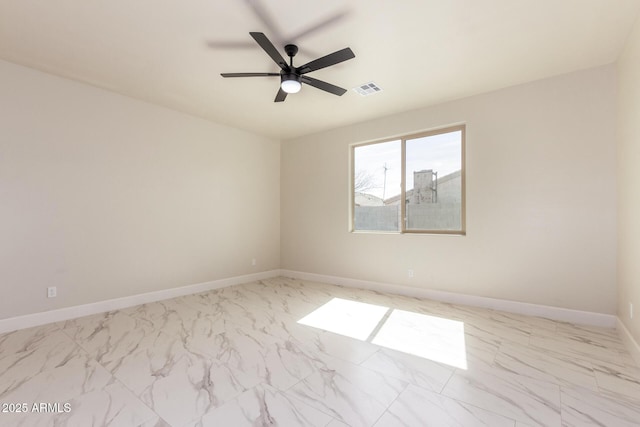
x=556 y=313
x=36 y=319
x=549 y=312
x=628 y=340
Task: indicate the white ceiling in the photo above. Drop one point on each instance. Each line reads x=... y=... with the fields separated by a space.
x=421 y=52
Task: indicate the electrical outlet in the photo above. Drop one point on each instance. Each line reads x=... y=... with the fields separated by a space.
x=630 y=310
x=410 y=272
x=52 y=292
x=253 y=261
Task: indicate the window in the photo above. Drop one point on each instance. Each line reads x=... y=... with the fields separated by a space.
x=413 y=184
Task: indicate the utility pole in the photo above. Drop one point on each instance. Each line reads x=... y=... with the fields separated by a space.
x=384 y=185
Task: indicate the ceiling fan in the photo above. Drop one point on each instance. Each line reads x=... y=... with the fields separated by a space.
x=267 y=20
x=291 y=78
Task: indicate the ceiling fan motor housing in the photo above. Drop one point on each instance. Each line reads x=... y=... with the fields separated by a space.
x=292 y=75
x=291 y=50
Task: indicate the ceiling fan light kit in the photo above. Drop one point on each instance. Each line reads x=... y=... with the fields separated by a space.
x=290 y=83
x=291 y=86
x=291 y=77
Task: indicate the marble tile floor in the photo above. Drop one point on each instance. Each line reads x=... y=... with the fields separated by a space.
x=285 y=352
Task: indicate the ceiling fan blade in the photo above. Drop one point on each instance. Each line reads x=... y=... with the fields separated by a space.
x=327 y=87
x=327 y=61
x=264 y=16
x=320 y=25
x=249 y=74
x=268 y=47
x=281 y=96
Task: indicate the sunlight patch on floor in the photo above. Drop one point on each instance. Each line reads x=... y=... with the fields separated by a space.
x=430 y=337
x=345 y=317
x=434 y=338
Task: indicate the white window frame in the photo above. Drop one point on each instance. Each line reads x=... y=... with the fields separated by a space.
x=403 y=221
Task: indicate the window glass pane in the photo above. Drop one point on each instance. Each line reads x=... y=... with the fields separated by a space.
x=376 y=191
x=434 y=183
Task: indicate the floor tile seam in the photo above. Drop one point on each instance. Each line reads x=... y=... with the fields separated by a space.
x=21 y=353
x=81 y=351
x=73 y=328
x=291 y=395
x=598 y=364
x=554 y=380
x=390 y=404
x=620 y=398
x=605 y=342
x=632 y=367
x=460 y=402
x=279 y=316
x=606 y=393
x=511 y=376
x=403 y=379
x=562 y=407
x=483 y=323
x=332 y=419
x=77 y=343
x=232 y=319
x=463 y=403
x=370 y=357
x=555 y=355
x=340 y=357
x=620 y=349
x=498 y=365
x=195 y=421
x=561 y=333
x=602 y=365
x=300 y=380
x=536 y=349
x=571 y=353
x=451 y=396
x=111 y=378
x=78 y=327
x=611 y=332
x=563 y=404
x=495 y=353
x=520 y=326
x=290 y=339
x=314 y=369
x=54 y=324
x=123 y=385
x=183 y=352
x=445 y=383
x=381 y=374
x=499 y=338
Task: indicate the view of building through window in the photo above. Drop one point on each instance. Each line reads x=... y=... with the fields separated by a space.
x=433 y=184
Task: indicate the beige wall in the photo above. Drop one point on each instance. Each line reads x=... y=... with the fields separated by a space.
x=629 y=183
x=104 y=196
x=541 y=199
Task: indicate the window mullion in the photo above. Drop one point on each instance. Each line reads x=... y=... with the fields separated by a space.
x=403 y=204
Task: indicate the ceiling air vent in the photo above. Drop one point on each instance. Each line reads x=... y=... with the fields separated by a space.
x=367 y=89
